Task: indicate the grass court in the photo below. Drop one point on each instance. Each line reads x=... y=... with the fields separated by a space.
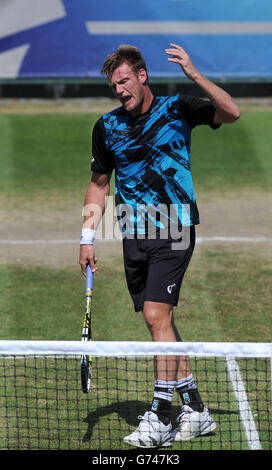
x=226 y=294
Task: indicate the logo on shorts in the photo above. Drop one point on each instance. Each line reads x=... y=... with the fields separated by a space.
x=171 y=288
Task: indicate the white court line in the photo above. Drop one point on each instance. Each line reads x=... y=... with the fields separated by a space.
x=244 y=407
x=199 y=241
x=39 y=242
x=234 y=239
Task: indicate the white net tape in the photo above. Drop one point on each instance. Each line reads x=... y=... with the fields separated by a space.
x=135 y=348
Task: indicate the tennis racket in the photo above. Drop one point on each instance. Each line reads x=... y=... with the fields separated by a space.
x=86 y=360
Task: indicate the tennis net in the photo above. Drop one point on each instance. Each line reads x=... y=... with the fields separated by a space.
x=42 y=406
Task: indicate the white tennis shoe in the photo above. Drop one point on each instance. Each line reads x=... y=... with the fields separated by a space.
x=150 y=433
x=193 y=424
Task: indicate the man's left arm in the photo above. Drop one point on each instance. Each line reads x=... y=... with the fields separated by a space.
x=226 y=111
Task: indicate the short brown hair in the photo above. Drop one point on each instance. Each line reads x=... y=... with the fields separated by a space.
x=125 y=53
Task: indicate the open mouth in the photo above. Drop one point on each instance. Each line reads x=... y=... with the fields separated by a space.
x=126 y=99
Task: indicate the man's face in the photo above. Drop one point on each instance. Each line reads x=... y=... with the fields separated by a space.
x=129 y=88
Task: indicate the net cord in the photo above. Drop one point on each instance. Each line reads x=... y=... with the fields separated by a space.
x=135 y=348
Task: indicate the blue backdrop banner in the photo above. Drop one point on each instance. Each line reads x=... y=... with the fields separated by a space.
x=70 y=38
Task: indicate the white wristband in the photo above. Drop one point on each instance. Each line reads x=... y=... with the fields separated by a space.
x=87 y=236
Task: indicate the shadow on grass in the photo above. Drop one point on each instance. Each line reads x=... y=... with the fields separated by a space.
x=128 y=411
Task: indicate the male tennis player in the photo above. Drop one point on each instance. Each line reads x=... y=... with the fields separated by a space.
x=147 y=142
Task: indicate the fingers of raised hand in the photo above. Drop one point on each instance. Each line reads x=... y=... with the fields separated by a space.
x=176 y=51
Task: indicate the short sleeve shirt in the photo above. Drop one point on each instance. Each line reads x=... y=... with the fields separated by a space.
x=151 y=158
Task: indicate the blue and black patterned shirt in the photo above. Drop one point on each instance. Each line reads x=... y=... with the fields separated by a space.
x=151 y=158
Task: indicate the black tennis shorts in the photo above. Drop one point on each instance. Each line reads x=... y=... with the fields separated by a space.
x=154 y=270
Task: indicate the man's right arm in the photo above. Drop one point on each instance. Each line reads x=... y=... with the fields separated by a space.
x=226 y=111
x=94 y=208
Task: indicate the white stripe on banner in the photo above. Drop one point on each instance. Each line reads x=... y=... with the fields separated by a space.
x=20 y=15
x=11 y=61
x=179 y=27
x=244 y=407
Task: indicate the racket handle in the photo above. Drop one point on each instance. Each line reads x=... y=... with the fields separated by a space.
x=89 y=278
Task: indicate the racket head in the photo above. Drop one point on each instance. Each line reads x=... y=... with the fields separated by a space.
x=86 y=374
